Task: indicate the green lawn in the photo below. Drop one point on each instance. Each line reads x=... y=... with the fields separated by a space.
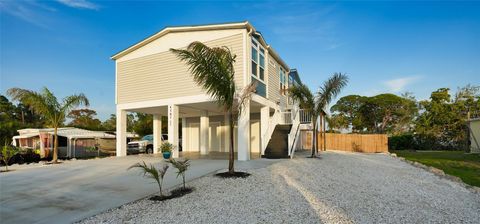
x=455 y=163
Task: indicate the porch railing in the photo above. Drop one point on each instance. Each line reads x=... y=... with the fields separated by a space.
x=295 y=117
x=305 y=116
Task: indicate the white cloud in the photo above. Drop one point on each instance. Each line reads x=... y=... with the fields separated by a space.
x=26 y=11
x=399 y=84
x=80 y=4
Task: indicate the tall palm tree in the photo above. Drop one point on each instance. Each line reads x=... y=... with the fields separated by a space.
x=213 y=69
x=46 y=104
x=315 y=104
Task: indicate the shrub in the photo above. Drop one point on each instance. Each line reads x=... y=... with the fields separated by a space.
x=26 y=156
x=422 y=142
x=151 y=172
x=356 y=147
x=401 y=142
x=7 y=153
x=182 y=167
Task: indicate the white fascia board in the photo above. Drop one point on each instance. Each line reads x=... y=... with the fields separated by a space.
x=265 y=102
x=165 y=102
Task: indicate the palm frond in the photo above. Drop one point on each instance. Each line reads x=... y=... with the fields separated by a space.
x=302 y=94
x=181 y=166
x=72 y=102
x=330 y=89
x=212 y=68
x=163 y=170
x=245 y=95
x=34 y=100
x=50 y=99
x=148 y=171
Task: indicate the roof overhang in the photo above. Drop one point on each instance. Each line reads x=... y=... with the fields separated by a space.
x=166 y=30
x=222 y=26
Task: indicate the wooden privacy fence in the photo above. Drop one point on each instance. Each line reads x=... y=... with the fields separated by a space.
x=348 y=142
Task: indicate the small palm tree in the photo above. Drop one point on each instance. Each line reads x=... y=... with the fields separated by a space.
x=213 y=69
x=46 y=104
x=7 y=153
x=153 y=173
x=182 y=167
x=315 y=104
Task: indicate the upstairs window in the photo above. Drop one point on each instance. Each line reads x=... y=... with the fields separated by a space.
x=283 y=81
x=258 y=61
x=254 y=62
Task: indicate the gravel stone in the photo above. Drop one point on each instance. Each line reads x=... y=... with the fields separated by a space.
x=336 y=188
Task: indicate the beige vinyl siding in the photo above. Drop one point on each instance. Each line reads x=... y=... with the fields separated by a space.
x=274 y=82
x=163 y=75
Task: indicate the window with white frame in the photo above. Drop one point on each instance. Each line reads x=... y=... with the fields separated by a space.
x=283 y=81
x=258 y=61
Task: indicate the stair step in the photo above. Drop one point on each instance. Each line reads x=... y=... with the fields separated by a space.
x=277 y=147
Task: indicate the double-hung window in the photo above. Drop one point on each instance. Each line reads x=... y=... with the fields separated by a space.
x=258 y=61
x=283 y=81
x=258 y=67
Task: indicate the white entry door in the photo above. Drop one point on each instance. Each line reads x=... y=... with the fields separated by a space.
x=194 y=137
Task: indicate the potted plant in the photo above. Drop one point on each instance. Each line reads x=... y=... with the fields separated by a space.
x=166 y=149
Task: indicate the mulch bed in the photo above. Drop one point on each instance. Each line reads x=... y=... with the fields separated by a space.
x=52 y=163
x=233 y=175
x=179 y=192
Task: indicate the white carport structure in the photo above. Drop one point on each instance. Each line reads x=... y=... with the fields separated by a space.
x=204 y=125
x=45 y=137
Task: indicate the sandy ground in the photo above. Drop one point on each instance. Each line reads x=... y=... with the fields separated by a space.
x=338 y=188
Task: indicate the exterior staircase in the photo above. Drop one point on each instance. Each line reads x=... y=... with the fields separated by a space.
x=277 y=147
x=282 y=136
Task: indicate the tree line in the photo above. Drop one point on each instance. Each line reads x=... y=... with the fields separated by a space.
x=439 y=122
x=14 y=116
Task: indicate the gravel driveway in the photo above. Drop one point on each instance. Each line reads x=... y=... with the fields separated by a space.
x=338 y=188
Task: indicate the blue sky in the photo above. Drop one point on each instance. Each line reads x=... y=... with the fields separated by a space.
x=383 y=46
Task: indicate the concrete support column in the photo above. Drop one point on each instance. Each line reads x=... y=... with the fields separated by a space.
x=204 y=133
x=69 y=150
x=227 y=133
x=264 y=122
x=157 y=133
x=121 y=135
x=244 y=133
x=184 y=133
x=173 y=128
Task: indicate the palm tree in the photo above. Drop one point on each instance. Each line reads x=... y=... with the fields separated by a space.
x=182 y=167
x=150 y=171
x=315 y=104
x=46 y=104
x=213 y=69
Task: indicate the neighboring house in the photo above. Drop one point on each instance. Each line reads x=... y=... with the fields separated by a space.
x=474 y=130
x=150 y=79
x=72 y=142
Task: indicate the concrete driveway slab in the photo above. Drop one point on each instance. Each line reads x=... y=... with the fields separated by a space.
x=75 y=190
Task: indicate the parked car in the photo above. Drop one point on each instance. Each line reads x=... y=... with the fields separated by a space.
x=145 y=145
